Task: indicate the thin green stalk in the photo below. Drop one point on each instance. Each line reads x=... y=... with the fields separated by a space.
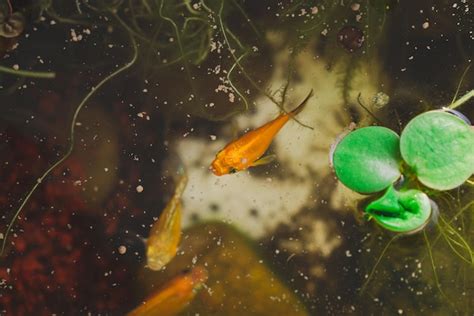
x=460 y=83
x=364 y=286
x=178 y=38
x=26 y=73
x=72 y=139
x=438 y=285
x=242 y=11
x=462 y=100
x=232 y=84
x=462 y=210
x=252 y=82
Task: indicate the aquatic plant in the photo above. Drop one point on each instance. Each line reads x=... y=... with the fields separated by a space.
x=179 y=36
x=71 y=141
x=435 y=151
x=434 y=154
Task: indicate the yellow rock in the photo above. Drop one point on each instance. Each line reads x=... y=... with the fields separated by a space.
x=239 y=282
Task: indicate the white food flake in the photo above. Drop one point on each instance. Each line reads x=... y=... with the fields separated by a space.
x=425 y=25
x=355 y=7
x=143 y=115
x=75 y=37
x=139 y=188
x=122 y=250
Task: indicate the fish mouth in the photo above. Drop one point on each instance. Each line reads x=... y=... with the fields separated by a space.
x=217 y=168
x=214 y=170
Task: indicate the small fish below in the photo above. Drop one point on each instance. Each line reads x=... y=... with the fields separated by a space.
x=174 y=296
x=247 y=151
x=165 y=234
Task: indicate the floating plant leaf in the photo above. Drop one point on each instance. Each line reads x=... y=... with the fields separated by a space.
x=404 y=212
x=439 y=147
x=367 y=160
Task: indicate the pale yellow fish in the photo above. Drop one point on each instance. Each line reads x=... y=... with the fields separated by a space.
x=165 y=235
x=174 y=296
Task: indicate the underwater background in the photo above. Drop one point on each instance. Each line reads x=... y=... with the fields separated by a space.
x=105 y=103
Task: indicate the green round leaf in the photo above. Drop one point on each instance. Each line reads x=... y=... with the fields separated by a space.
x=367 y=160
x=439 y=147
x=403 y=212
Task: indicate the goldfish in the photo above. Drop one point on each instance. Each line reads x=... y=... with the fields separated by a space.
x=174 y=296
x=247 y=151
x=165 y=234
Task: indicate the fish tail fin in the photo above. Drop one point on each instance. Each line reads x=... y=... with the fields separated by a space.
x=300 y=107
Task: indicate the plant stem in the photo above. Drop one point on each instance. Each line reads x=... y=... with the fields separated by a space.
x=71 y=141
x=462 y=100
x=26 y=73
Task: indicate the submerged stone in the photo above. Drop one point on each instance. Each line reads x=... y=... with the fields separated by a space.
x=239 y=282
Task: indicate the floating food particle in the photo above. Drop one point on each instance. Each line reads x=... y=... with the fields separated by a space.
x=122 y=250
x=139 y=188
x=355 y=6
x=380 y=100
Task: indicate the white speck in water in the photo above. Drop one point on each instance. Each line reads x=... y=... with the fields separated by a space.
x=16 y=66
x=139 y=188
x=355 y=7
x=400 y=311
x=213 y=137
x=122 y=249
x=425 y=25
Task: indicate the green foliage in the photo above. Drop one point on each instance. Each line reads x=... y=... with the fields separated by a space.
x=367 y=160
x=439 y=147
x=401 y=211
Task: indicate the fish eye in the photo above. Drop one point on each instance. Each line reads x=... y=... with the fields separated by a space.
x=232 y=170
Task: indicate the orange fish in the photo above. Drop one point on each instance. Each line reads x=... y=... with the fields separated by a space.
x=165 y=234
x=174 y=296
x=247 y=150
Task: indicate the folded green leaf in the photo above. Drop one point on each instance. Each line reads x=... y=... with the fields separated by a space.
x=404 y=212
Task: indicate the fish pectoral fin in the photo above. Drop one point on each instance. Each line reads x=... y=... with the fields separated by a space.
x=264 y=160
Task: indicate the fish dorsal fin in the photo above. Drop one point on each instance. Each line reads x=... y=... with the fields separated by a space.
x=264 y=160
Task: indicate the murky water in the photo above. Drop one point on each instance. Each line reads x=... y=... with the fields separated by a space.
x=105 y=104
